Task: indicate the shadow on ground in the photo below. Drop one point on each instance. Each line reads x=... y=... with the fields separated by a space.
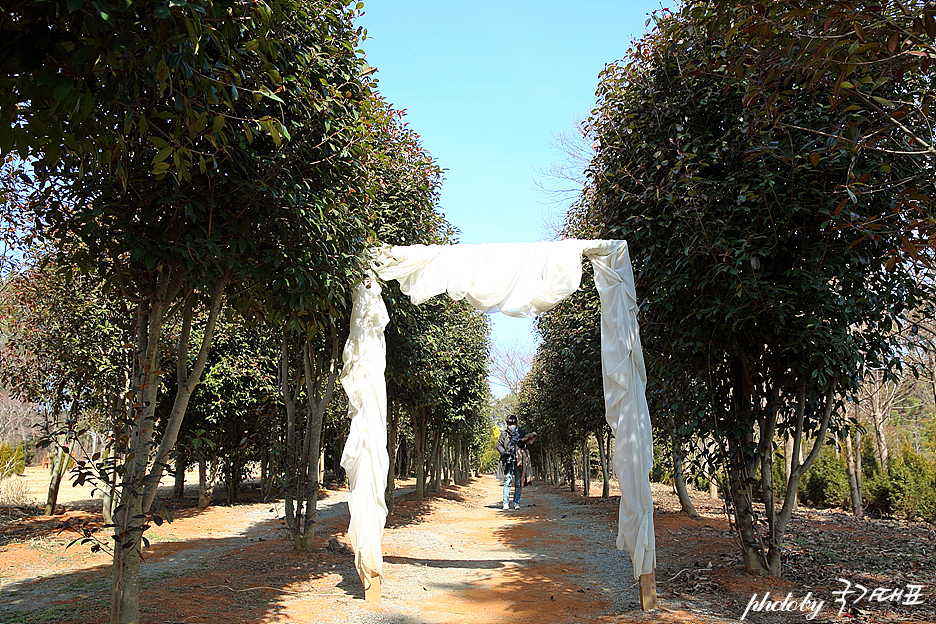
x=184 y=576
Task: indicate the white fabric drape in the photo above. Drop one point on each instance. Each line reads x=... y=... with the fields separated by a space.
x=365 y=453
x=625 y=381
x=517 y=279
x=521 y=280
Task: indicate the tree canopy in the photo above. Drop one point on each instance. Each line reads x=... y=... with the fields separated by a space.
x=871 y=62
x=753 y=282
x=189 y=151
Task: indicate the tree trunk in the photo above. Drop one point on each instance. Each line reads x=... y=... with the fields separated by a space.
x=742 y=499
x=187 y=381
x=61 y=456
x=586 y=467
x=321 y=461
x=393 y=431
x=59 y=465
x=603 y=456
x=141 y=475
x=290 y=390
x=446 y=467
x=125 y=573
x=878 y=418
x=321 y=379
x=778 y=521
x=266 y=471
x=434 y=461
x=304 y=439
x=420 y=433
x=232 y=479
x=464 y=463
x=472 y=463
x=775 y=527
x=679 y=478
x=108 y=488
x=858 y=468
x=788 y=465
x=178 y=487
x=403 y=458
x=128 y=530
x=854 y=479
x=570 y=469
x=207 y=478
x=742 y=458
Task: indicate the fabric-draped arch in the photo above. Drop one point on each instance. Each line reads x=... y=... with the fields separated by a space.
x=517 y=279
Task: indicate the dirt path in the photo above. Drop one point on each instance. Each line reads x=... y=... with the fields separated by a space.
x=454 y=558
x=551 y=561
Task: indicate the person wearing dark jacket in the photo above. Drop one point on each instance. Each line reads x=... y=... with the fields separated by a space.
x=514 y=466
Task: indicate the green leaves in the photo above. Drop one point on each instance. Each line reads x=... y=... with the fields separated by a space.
x=767 y=259
x=563 y=397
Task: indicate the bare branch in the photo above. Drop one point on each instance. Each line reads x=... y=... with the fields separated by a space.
x=510 y=363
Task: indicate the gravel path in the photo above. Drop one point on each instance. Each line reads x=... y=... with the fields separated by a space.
x=454 y=558
x=551 y=561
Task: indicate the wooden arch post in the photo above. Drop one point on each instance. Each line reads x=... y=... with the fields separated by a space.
x=648 y=597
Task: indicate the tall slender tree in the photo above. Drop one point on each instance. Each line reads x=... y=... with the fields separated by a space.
x=749 y=270
x=177 y=148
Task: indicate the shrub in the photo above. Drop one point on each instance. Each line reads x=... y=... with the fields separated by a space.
x=876 y=492
x=19 y=460
x=662 y=471
x=826 y=482
x=908 y=489
x=697 y=478
x=29 y=451
x=869 y=460
x=14 y=493
x=489 y=454
x=6 y=460
x=912 y=485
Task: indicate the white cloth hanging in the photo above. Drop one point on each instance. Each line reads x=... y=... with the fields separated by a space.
x=520 y=279
x=517 y=279
x=365 y=455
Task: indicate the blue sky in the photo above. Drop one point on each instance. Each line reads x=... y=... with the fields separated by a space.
x=488 y=84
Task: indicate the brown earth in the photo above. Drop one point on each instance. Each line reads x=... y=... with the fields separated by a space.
x=457 y=558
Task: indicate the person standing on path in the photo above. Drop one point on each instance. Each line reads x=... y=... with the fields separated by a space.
x=514 y=467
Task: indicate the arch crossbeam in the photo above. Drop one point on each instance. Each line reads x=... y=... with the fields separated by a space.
x=517 y=279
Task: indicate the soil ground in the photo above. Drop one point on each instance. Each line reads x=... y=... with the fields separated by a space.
x=458 y=558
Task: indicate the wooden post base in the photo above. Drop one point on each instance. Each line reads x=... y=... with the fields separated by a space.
x=648 y=597
x=372 y=593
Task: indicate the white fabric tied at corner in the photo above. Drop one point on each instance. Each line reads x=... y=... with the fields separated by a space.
x=365 y=454
x=524 y=280
x=625 y=381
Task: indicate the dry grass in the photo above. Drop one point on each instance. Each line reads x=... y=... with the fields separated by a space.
x=14 y=492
